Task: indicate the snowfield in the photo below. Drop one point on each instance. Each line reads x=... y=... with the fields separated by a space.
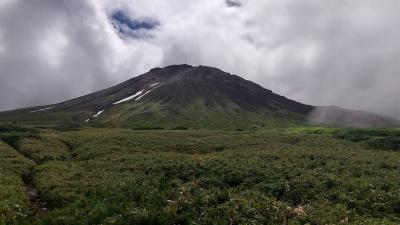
x=128 y=98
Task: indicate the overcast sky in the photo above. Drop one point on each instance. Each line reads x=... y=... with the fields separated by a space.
x=333 y=52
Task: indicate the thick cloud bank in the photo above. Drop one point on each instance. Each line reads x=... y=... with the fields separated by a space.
x=342 y=52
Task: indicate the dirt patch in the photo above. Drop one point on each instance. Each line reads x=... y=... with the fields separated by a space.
x=38 y=207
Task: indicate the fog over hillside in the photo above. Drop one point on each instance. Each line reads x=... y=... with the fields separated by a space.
x=342 y=53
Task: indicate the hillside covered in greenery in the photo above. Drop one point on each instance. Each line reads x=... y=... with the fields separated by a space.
x=301 y=175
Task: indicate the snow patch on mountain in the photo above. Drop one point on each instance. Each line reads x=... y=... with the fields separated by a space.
x=152 y=85
x=128 y=98
x=98 y=113
x=39 y=110
x=142 y=95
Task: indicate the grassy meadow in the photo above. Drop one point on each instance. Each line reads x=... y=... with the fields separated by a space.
x=300 y=175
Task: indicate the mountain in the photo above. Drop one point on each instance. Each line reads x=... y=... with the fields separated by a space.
x=336 y=116
x=183 y=96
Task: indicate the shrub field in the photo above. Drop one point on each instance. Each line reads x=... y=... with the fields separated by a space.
x=120 y=176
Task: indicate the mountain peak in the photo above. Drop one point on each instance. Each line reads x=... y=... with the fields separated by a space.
x=173 y=67
x=199 y=97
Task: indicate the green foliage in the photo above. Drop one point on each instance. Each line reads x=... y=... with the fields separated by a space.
x=13 y=200
x=12 y=134
x=147 y=128
x=15 y=129
x=358 y=135
x=380 y=139
x=146 y=115
x=383 y=139
x=292 y=176
x=214 y=177
x=386 y=143
x=47 y=147
x=180 y=128
x=71 y=124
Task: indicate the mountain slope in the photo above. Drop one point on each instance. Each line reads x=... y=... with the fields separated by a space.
x=336 y=116
x=176 y=96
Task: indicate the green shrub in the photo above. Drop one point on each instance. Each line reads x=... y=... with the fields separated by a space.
x=391 y=143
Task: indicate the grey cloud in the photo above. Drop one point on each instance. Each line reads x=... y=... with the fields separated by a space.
x=49 y=47
x=233 y=3
x=318 y=52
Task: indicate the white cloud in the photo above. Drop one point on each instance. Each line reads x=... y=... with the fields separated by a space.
x=318 y=52
x=52 y=47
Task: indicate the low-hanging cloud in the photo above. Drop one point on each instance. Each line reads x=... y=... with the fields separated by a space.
x=340 y=52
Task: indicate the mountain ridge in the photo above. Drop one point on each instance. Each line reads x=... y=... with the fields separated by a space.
x=186 y=96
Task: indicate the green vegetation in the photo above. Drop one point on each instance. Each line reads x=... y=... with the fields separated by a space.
x=12 y=134
x=14 y=206
x=47 y=147
x=302 y=175
x=196 y=115
x=383 y=139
